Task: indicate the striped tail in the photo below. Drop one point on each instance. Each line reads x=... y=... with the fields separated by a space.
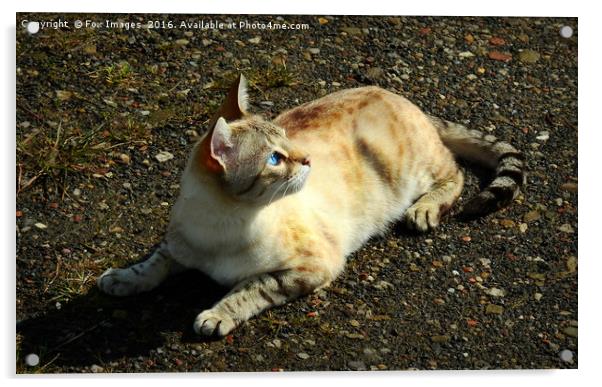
x=506 y=160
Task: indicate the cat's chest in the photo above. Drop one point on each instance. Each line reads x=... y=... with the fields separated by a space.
x=227 y=262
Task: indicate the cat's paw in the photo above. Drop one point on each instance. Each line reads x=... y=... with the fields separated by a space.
x=117 y=282
x=423 y=216
x=213 y=322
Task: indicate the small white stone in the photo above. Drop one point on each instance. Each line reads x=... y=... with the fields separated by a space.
x=466 y=54
x=41 y=226
x=543 y=136
x=255 y=40
x=495 y=292
x=164 y=156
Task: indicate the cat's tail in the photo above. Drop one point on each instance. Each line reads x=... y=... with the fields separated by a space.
x=506 y=160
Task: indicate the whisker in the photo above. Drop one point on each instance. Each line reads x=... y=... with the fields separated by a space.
x=275 y=192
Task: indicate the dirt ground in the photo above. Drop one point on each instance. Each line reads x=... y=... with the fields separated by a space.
x=95 y=107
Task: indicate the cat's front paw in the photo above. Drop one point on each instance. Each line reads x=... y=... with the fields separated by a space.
x=213 y=322
x=423 y=216
x=117 y=282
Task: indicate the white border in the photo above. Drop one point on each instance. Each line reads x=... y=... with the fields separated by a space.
x=589 y=97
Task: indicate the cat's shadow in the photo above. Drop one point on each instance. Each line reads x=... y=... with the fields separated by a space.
x=96 y=329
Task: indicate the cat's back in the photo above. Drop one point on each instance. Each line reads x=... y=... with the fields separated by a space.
x=343 y=111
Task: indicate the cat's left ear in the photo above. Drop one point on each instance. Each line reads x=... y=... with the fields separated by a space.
x=236 y=104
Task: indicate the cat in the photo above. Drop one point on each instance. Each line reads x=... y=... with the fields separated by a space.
x=272 y=209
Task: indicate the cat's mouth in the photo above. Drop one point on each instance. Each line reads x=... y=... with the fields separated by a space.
x=298 y=180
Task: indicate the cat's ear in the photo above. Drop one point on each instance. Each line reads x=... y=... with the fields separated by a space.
x=220 y=144
x=236 y=104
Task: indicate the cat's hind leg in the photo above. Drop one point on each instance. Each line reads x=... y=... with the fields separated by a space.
x=426 y=212
x=141 y=277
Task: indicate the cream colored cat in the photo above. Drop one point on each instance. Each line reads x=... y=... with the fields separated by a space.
x=273 y=208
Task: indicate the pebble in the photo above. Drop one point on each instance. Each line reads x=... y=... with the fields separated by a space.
x=303 y=356
x=466 y=54
x=41 y=226
x=567 y=228
x=538 y=296
x=496 y=55
x=571 y=264
x=571 y=187
x=354 y=323
x=543 y=135
x=440 y=339
x=374 y=73
x=371 y=355
x=494 y=309
x=495 y=292
x=314 y=51
x=182 y=42
x=523 y=227
x=531 y=216
x=357 y=365
x=255 y=40
x=96 y=368
x=570 y=331
x=352 y=31
x=528 y=56
x=164 y=156
x=124 y=158
x=77 y=192
x=63 y=95
x=566 y=356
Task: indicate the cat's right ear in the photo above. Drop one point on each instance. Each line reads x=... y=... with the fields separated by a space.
x=221 y=144
x=236 y=104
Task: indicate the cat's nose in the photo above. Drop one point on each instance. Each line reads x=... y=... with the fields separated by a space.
x=306 y=161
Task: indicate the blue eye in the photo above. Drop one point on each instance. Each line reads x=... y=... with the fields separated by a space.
x=275 y=158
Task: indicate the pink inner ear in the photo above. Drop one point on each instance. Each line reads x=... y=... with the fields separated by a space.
x=221 y=146
x=219 y=149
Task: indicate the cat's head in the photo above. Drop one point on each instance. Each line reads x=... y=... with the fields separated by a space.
x=249 y=158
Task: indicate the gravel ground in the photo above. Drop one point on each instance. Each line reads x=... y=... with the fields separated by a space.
x=96 y=107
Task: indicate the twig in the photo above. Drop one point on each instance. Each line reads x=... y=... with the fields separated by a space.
x=68 y=341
